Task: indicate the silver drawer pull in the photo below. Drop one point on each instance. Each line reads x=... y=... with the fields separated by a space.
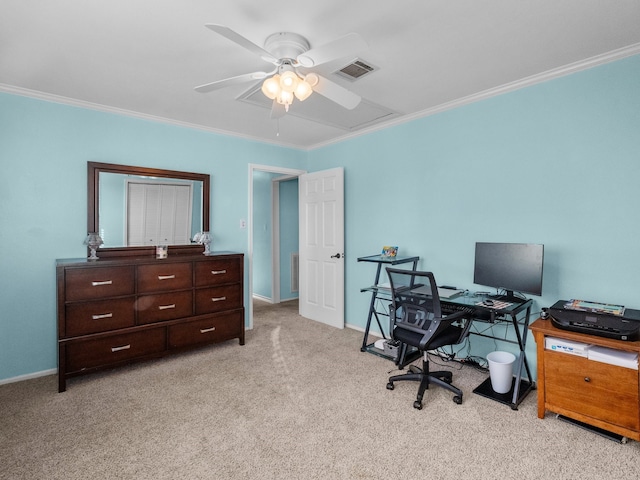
x=101 y=316
x=166 y=277
x=118 y=349
x=207 y=330
x=166 y=307
x=218 y=299
x=98 y=284
x=218 y=272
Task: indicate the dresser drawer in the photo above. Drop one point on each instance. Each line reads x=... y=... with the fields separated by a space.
x=99 y=316
x=595 y=389
x=164 y=306
x=98 y=282
x=114 y=349
x=218 y=271
x=164 y=276
x=215 y=329
x=217 y=299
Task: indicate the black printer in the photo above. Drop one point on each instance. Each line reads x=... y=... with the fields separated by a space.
x=619 y=327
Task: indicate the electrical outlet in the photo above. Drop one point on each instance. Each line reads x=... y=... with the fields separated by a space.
x=243 y=223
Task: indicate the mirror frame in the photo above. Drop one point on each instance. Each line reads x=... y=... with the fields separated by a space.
x=93 y=207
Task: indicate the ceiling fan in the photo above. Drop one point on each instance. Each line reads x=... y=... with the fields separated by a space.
x=293 y=57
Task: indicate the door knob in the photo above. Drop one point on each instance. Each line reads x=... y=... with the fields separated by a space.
x=337 y=255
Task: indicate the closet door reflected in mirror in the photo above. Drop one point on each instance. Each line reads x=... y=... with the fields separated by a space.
x=158 y=213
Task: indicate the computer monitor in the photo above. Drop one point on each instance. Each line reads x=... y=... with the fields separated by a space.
x=514 y=267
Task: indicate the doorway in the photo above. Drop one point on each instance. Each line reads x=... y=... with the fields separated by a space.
x=260 y=226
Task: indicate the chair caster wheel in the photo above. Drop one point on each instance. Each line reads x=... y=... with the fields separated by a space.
x=389 y=386
x=417 y=405
x=457 y=399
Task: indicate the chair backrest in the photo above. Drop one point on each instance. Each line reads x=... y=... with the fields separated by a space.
x=414 y=287
x=416 y=305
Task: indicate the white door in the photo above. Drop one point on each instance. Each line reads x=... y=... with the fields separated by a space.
x=322 y=246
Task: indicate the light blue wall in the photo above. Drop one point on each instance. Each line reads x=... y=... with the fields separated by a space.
x=557 y=163
x=288 y=235
x=262 y=233
x=44 y=149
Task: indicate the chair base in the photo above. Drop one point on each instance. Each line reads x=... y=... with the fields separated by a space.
x=425 y=377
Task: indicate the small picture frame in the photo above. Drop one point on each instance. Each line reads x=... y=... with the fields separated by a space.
x=389 y=251
x=162 y=251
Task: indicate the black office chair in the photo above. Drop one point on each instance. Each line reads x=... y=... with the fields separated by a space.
x=417 y=321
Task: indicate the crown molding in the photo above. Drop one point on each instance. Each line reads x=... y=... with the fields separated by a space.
x=72 y=102
x=565 y=70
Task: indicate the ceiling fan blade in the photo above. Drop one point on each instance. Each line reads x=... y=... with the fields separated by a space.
x=336 y=93
x=227 y=82
x=242 y=41
x=277 y=110
x=346 y=46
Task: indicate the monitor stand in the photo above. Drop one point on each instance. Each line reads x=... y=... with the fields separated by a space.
x=510 y=297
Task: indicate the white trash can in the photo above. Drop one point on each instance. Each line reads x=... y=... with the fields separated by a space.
x=501 y=370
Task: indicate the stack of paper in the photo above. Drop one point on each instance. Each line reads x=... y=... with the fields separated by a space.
x=566 y=346
x=614 y=357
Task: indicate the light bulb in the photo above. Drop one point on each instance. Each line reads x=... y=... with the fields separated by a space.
x=285 y=98
x=271 y=87
x=303 y=90
x=289 y=81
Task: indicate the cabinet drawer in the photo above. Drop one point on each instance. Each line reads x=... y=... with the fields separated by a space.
x=99 y=316
x=218 y=271
x=98 y=282
x=217 y=299
x=595 y=389
x=164 y=276
x=164 y=306
x=114 y=349
x=215 y=329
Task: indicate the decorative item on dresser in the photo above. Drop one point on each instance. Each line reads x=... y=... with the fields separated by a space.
x=118 y=310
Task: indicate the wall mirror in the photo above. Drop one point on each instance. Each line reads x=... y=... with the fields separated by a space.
x=136 y=208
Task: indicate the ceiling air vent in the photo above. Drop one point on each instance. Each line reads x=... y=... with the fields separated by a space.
x=355 y=70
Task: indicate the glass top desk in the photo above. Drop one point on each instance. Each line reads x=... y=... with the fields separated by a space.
x=515 y=315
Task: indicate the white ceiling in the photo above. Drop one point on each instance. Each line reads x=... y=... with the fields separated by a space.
x=144 y=57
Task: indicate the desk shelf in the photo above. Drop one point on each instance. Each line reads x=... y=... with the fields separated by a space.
x=379 y=295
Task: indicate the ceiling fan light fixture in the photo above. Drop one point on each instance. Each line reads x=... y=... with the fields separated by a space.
x=271 y=87
x=303 y=90
x=285 y=98
x=289 y=81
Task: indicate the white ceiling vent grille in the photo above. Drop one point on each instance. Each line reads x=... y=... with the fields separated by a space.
x=356 y=70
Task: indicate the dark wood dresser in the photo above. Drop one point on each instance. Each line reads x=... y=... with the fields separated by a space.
x=119 y=310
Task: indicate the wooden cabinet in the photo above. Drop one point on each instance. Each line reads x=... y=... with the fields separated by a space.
x=118 y=310
x=599 y=394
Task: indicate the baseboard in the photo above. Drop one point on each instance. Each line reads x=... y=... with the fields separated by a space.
x=283 y=300
x=30 y=376
x=361 y=329
x=262 y=298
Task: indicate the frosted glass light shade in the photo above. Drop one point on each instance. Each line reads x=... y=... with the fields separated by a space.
x=302 y=91
x=271 y=87
x=289 y=81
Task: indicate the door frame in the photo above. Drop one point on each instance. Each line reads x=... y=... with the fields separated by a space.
x=253 y=167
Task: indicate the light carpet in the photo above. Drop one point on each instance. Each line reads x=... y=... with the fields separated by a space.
x=298 y=401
